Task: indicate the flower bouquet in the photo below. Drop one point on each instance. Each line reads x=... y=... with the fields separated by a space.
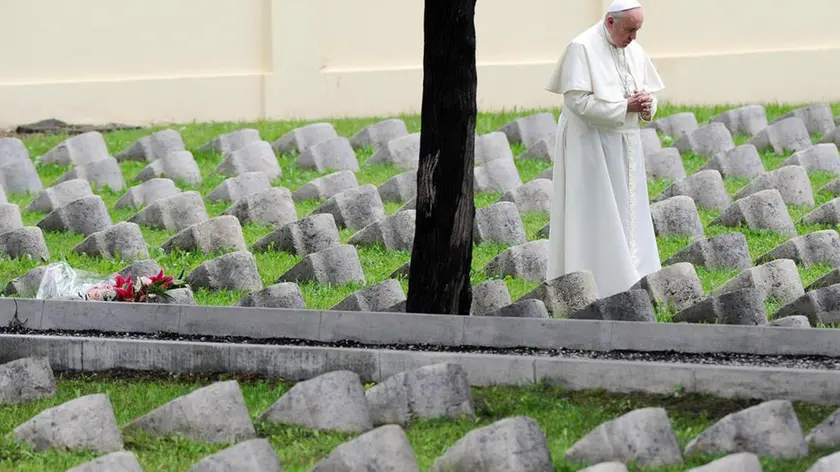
x=149 y=289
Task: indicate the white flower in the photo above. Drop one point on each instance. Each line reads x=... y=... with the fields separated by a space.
x=104 y=292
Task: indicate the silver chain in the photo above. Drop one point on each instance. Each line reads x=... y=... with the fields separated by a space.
x=623 y=71
x=624 y=74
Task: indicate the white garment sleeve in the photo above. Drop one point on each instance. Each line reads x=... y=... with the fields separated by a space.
x=593 y=111
x=653 y=108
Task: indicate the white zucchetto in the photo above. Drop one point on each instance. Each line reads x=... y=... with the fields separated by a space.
x=622 y=5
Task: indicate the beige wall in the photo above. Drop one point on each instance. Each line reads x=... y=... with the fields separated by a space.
x=143 y=61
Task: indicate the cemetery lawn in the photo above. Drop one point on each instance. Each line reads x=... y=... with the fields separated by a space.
x=376 y=262
x=565 y=417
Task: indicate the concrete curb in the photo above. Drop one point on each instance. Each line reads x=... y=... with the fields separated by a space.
x=401 y=328
x=301 y=363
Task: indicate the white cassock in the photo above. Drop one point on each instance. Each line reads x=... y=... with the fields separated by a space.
x=600 y=214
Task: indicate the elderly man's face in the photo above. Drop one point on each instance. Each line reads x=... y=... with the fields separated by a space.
x=623 y=31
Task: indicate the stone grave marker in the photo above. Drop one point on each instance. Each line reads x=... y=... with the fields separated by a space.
x=232 y=271
x=124 y=239
x=154 y=146
x=742 y=161
x=327 y=186
x=241 y=186
x=378 y=134
x=783 y=136
x=86 y=215
x=226 y=143
x=792 y=183
x=173 y=213
x=253 y=157
x=333 y=154
x=527 y=261
x=179 y=166
x=677 y=124
x=299 y=139
x=274 y=207
x=147 y=193
x=20 y=177
x=531 y=129
x=705 y=187
x=762 y=210
x=747 y=119
x=77 y=150
x=313 y=233
x=402 y=152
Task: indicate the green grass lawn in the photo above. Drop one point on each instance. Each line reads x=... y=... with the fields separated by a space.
x=377 y=263
x=565 y=417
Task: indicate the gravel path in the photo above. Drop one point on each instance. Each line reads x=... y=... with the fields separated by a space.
x=729 y=359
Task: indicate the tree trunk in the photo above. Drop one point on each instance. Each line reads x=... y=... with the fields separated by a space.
x=439 y=275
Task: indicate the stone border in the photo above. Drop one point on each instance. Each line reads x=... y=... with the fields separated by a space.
x=302 y=363
x=401 y=328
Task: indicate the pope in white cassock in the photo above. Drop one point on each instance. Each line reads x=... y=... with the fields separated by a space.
x=600 y=215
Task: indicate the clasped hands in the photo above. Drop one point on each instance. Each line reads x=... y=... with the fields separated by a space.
x=640 y=102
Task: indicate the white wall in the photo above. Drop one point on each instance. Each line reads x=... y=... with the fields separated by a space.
x=144 y=61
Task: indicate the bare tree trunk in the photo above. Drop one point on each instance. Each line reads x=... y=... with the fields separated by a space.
x=439 y=275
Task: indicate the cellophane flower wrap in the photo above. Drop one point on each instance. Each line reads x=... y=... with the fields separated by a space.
x=59 y=280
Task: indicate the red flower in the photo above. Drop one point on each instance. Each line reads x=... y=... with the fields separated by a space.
x=147 y=287
x=163 y=280
x=121 y=281
x=124 y=288
x=126 y=292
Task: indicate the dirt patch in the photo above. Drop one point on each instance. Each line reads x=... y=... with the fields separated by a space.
x=53 y=126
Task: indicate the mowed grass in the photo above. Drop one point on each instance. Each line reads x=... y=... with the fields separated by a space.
x=377 y=263
x=564 y=417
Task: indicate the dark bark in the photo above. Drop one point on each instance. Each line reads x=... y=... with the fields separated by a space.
x=439 y=274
